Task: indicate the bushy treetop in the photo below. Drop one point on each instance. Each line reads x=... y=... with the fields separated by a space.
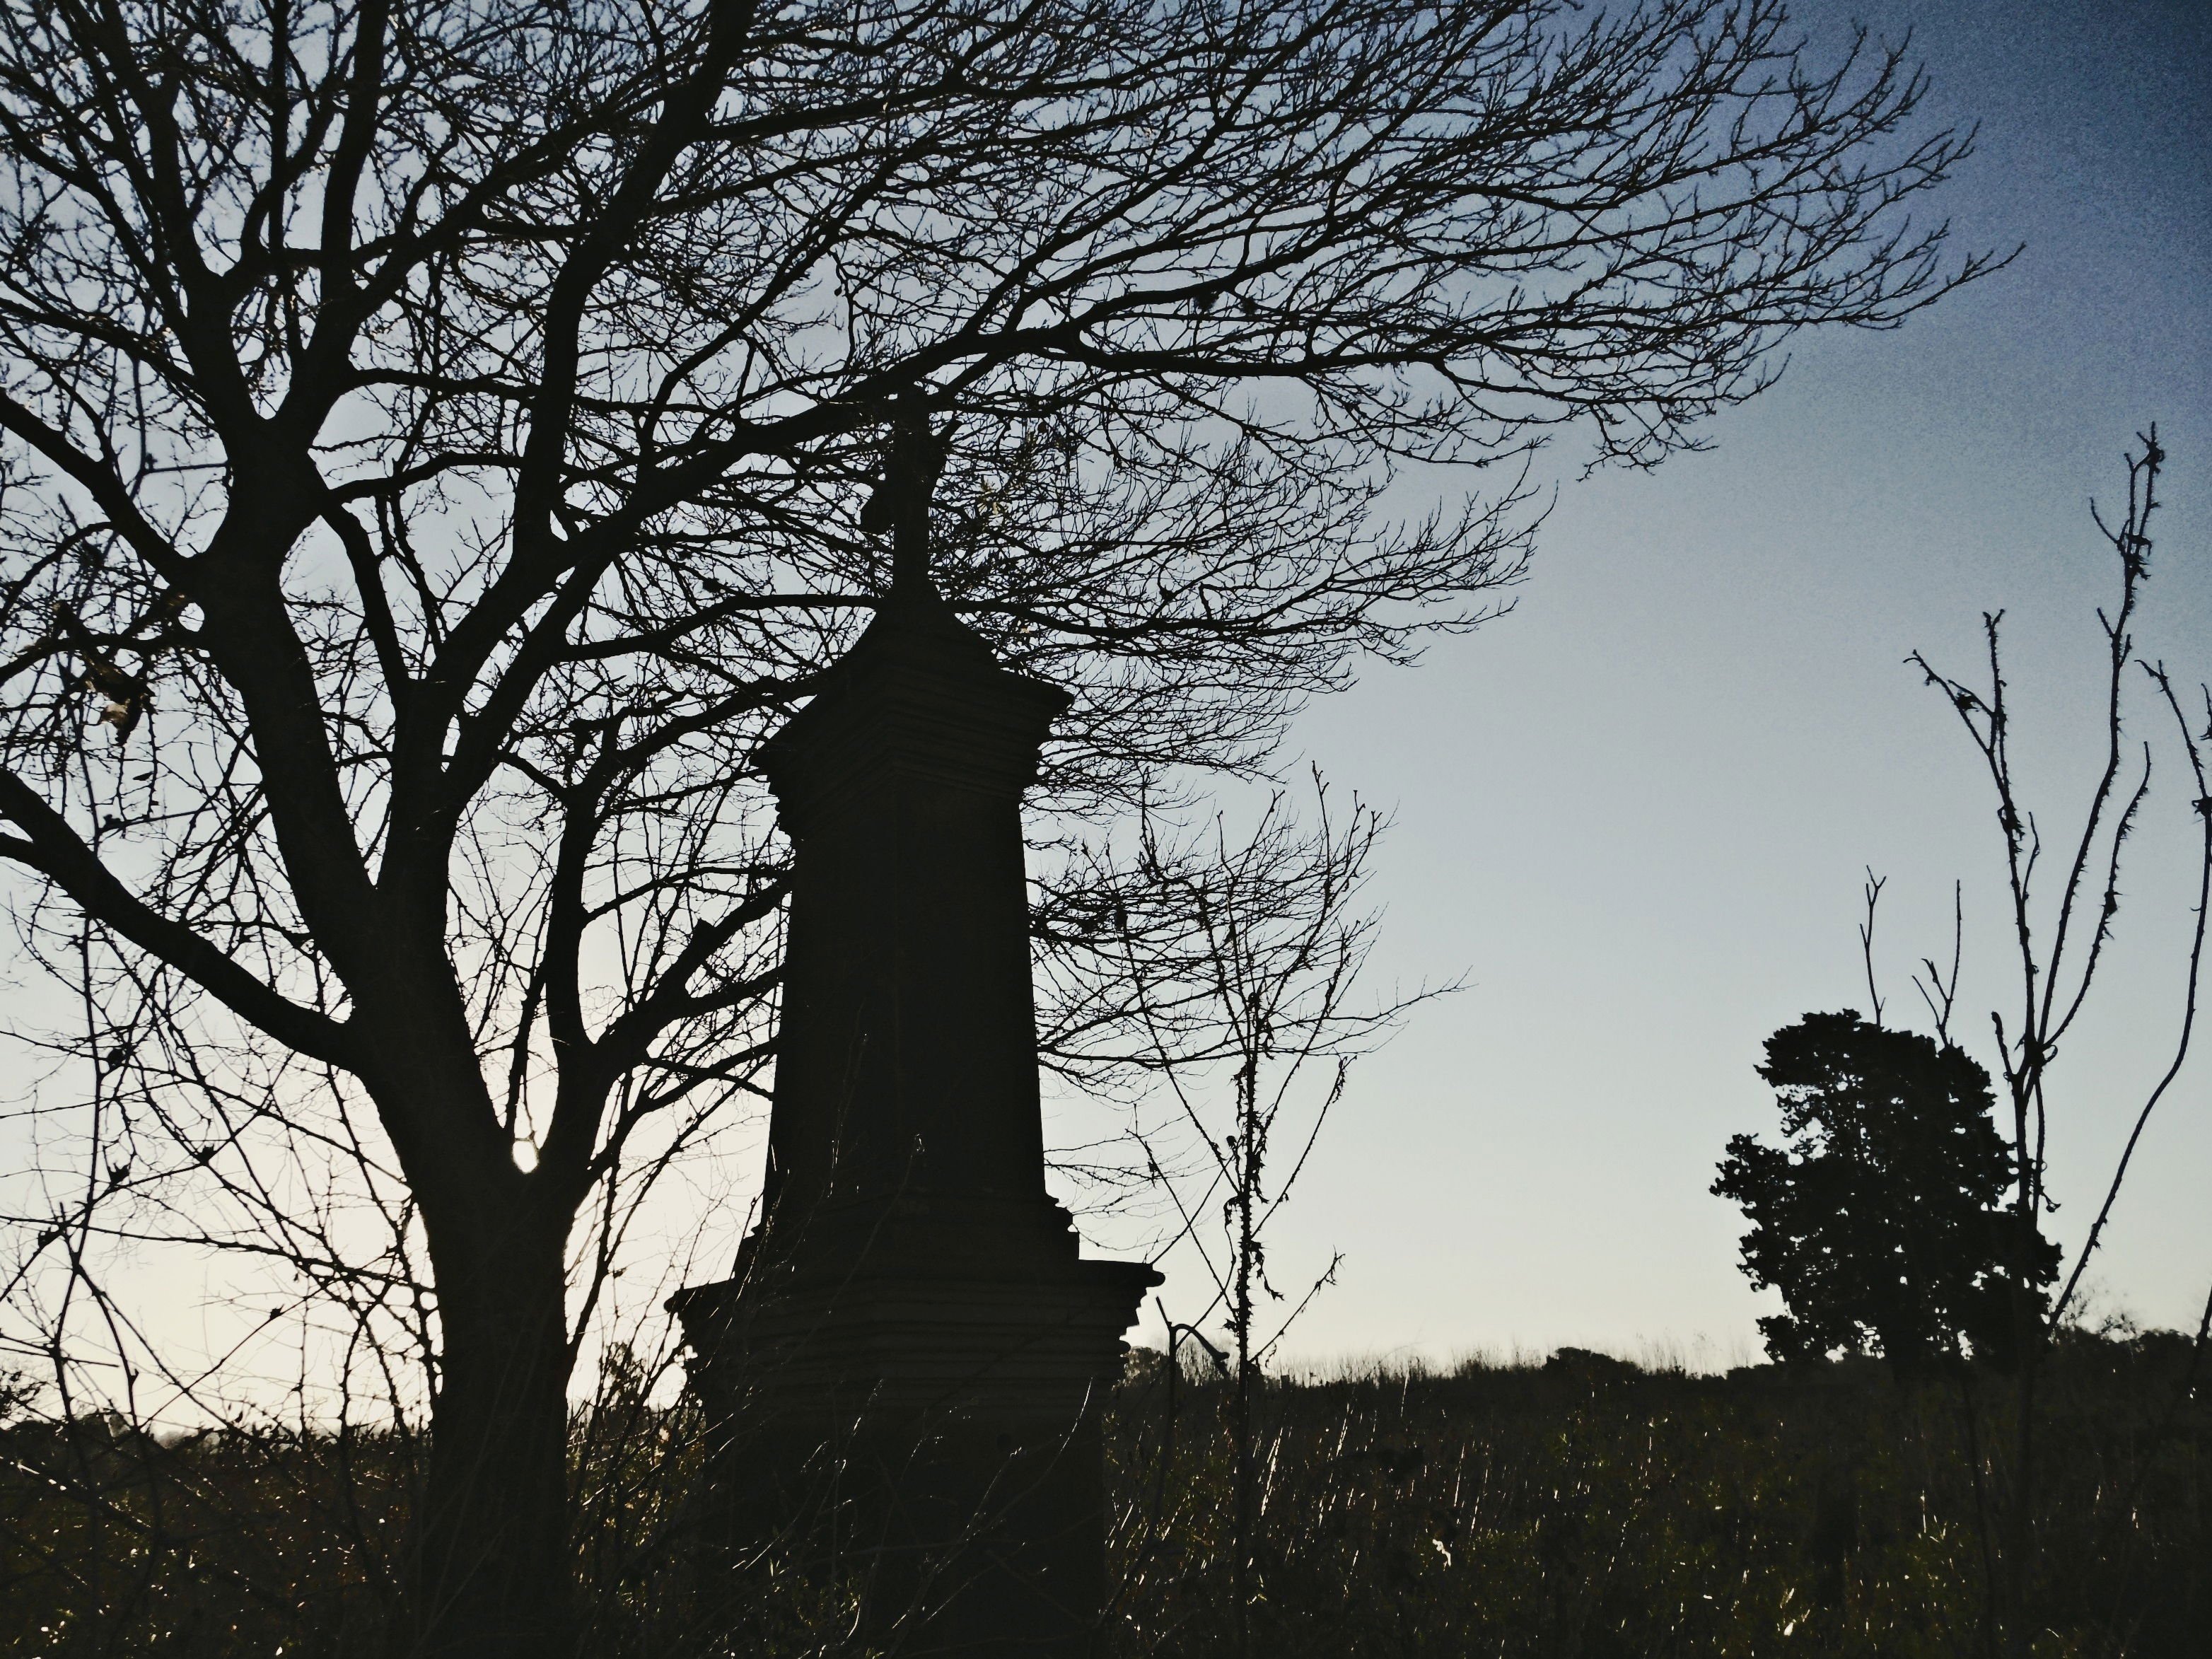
x=1883 y=1224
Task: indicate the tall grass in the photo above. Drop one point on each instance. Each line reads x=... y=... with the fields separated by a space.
x=1589 y=1507
x=1584 y=1506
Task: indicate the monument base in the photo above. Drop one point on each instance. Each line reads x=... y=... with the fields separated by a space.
x=907 y=1404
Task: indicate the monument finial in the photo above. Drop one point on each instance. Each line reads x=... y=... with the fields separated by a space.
x=913 y=456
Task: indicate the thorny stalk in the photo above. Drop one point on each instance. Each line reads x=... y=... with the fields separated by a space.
x=2057 y=974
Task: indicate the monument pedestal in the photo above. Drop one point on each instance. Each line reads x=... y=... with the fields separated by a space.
x=929 y=1436
x=902 y=1380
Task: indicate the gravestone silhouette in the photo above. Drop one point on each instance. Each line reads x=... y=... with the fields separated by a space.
x=903 y=1376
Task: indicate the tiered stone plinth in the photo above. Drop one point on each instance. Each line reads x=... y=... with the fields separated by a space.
x=903 y=1374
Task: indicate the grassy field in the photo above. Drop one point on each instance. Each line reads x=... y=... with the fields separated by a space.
x=1581 y=1507
x=1585 y=1508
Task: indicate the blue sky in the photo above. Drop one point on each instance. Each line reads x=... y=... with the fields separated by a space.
x=1634 y=812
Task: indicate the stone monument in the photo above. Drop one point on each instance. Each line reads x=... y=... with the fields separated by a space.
x=903 y=1377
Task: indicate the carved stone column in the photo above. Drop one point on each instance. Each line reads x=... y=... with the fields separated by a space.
x=904 y=1373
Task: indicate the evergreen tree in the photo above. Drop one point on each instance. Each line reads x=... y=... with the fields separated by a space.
x=1883 y=1224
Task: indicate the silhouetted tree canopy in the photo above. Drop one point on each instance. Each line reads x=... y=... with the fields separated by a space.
x=439 y=439
x=1883 y=1224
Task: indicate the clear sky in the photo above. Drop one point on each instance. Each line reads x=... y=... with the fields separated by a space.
x=1634 y=812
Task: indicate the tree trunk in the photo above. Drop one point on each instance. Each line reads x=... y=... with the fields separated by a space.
x=491 y=1562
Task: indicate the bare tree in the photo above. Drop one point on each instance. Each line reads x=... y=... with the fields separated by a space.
x=1242 y=959
x=439 y=440
x=2059 y=947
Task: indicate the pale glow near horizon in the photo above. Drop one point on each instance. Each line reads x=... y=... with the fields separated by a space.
x=1635 y=812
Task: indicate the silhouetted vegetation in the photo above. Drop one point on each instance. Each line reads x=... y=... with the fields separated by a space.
x=2059 y=941
x=1584 y=1506
x=439 y=441
x=1587 y=1507
x=1884 y=1224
